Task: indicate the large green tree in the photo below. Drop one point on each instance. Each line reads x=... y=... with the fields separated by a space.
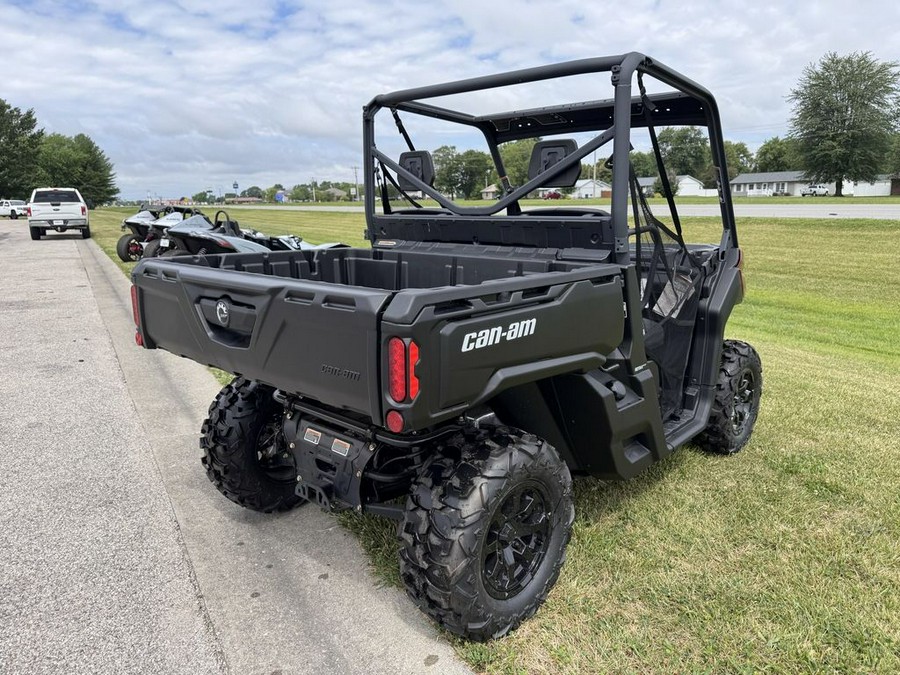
x=685 y=150
x=446 y=170
x=20 y=143
x=845 y=110
x=77 y=162
x=461 y=174
x=516 y=156
x=777 y=154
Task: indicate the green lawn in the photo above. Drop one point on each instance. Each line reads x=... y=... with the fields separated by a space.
x=784 y=558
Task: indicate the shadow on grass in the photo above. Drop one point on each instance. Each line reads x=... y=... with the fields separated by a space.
x=594 y=498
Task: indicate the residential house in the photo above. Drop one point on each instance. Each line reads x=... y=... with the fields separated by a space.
x=688 y=186
x=490 y=192
x=590 y=189
x=771 y=183
x=884 y=185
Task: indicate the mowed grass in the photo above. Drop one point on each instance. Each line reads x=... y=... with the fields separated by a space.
x=784 y=558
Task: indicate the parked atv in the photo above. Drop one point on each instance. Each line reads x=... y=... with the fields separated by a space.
x=146 y=226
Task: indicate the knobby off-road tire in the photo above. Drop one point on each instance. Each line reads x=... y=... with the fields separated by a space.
x=35 y=233
x=128 y=248
x=736 y=405
x=485 y=532
x=243 y=448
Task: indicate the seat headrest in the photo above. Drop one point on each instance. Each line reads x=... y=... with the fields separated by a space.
x=547 y=153
x=420 y=165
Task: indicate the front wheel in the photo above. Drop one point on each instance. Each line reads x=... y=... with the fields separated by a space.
x=244 y=450
x=736 y=405
x=128 y=248
x=485 y=532
x=14 y=215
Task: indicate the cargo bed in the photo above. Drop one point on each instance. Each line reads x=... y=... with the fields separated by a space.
x=315 y=323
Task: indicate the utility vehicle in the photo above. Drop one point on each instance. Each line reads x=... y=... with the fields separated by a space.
x=455 y=375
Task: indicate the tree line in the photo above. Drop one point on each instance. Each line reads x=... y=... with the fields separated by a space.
x=31 y=158
x=844 y=126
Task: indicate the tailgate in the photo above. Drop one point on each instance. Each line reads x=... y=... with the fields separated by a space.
x=63 y=211
x=306 y=337
x=472 y=343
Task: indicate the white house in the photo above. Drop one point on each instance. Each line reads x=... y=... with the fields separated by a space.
x=769 y=183
x=882 y=186
x=688 y=186
x=490 y=192
x=589 y=189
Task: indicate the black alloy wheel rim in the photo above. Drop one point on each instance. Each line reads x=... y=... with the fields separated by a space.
x=742 y=406
x=272 y=455
x=516 y=542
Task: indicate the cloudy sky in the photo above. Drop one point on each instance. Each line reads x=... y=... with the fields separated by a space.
x=185 y=95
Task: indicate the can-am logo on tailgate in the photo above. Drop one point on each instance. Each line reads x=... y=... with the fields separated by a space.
x=495 y=335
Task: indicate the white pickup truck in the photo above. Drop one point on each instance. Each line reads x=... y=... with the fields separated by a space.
x=12 y=208
x=57 y=209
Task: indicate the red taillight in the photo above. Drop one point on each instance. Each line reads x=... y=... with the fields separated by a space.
x=134 y=306
x=28 y=210
x=402 y=378
x=397 y=369
x=394 y=421
x=413 y=378
x=83 y=210
x=135 y=313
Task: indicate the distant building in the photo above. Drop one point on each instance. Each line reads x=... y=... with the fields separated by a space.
x=590 y=189
x=884 y=185
x=771 y=183
x=490 y=192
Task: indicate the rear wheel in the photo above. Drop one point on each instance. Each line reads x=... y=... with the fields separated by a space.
x=244 y=450
x=151 y=249
x=86 y=233
x=129 y=248
x=485 y=532
x=35 y=233
x=736 y=405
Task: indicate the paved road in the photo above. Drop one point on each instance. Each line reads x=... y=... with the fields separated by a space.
x=116 y=553
x=806 y=208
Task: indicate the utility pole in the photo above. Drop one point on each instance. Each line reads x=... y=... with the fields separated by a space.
x=312 y=182
x=356 y=181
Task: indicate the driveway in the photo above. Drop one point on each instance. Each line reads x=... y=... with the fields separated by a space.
x=116 y=553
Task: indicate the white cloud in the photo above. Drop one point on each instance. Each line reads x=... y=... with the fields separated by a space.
x=184 y=95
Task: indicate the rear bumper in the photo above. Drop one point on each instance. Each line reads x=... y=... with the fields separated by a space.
x=56 y=223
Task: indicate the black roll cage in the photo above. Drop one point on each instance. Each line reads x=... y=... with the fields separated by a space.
x=689 y=104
